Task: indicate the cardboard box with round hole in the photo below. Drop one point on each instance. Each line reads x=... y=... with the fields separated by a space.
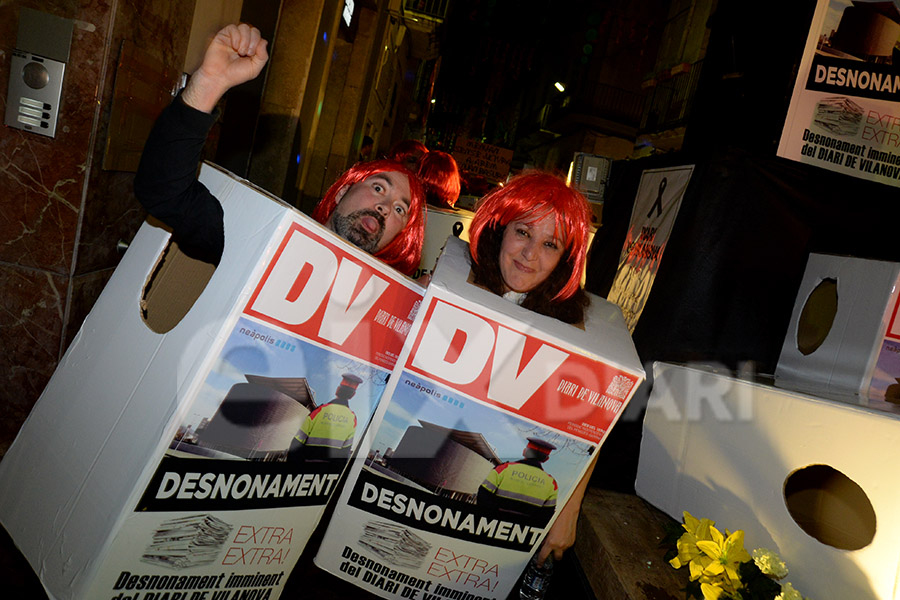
x=842 y=339
x=164 y=443
x=800 y=475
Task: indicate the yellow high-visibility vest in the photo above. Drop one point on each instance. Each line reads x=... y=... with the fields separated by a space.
x=329 y=426
x=522 y=482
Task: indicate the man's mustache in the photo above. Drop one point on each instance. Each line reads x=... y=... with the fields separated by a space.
x=369 y=212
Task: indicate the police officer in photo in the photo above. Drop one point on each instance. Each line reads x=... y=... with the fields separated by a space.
x=327 y=432
x=522 y=487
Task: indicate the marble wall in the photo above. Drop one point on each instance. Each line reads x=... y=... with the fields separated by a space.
x=61 y=214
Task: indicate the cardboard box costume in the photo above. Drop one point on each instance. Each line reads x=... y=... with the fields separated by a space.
x=477 y=378
x=155 y=458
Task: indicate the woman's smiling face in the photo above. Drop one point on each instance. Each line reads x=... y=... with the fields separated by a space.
x=528 y=253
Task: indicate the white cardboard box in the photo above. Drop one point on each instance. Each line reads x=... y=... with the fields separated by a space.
x=735 y=451
x=96 y=483
x=479 y=375
x=833 y=346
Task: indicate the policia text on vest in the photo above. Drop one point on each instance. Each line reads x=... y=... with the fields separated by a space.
x=328 y=431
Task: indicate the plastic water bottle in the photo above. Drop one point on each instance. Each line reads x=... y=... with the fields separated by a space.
x=536 y=580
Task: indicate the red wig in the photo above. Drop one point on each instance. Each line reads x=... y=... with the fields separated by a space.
x=404 y=252
x=408 y=152
x=440 y=178
x=530 y=197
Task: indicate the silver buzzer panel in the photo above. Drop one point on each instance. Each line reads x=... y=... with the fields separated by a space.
x=35 y=86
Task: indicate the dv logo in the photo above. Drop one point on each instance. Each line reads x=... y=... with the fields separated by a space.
x=308 y=275
x=463 y=348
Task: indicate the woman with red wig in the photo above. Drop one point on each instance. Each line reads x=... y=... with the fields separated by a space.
x=528 y=242
x=439 y=175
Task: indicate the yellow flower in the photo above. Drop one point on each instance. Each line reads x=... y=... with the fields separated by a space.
x=699 y=528
x=698 y=566
x=695 y=529
x=714 y=560
x=711 y=592
x=725 y=554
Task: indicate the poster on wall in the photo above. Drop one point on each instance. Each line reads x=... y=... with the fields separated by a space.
x=844 y=114
x=490 y=419
x=484 y=160
x=658 y=199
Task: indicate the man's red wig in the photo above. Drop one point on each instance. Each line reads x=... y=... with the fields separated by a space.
x=405 y=251
x=440 y=178
x=530 y=197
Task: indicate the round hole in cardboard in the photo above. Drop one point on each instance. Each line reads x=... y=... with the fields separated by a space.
x=830 y=507
x=817 y=316
x=173 y=286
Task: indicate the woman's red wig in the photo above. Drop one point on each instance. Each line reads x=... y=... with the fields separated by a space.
x=404 y=148
x=408 y=152
x=530 y=197
x=440 y=178
x=404 y=252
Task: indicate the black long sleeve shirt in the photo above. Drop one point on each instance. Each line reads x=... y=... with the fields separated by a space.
x=166 y=182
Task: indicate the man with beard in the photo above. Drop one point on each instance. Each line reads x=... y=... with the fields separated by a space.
x=377 y=205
